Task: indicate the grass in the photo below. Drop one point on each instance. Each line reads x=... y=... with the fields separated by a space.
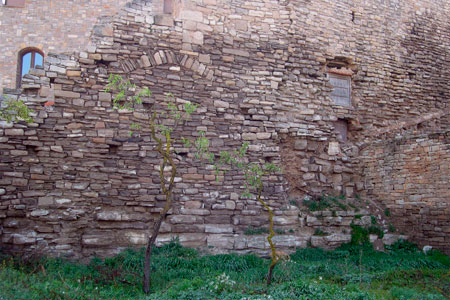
x=182 y=273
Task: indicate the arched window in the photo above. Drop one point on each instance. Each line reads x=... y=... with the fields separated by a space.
x=28 y=58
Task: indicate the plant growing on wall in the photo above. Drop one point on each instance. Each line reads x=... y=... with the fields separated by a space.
x=12 y=110
x=254 y=174
x=127 y=97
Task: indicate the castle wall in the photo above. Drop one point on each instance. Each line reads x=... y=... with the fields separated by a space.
x=74 y=182
x=410 y=176
x=49 y=25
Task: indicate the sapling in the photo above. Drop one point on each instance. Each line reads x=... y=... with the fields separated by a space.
x=162 y=134
x=254 y=174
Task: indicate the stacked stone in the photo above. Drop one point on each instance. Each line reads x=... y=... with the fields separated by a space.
x=77 y=183
x=410 y=176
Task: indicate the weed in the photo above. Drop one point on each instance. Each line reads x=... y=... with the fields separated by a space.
x=375 y=230
x=293 y=202
x=279 y=231
x=316 y=204
x=347 y=273
x=320 y=232
x=391 y=228
x=256 y=230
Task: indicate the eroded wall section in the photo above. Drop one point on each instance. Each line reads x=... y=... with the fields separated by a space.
x=410 y=176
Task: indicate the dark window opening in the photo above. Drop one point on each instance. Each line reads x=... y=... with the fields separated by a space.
x=29 y=58
x=168 y=6
x=341 y=128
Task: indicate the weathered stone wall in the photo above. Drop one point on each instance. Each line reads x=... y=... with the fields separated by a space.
x=49 y=25
x=75 y=183
x=410 y=177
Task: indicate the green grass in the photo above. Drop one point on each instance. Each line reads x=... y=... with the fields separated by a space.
x=182 y=273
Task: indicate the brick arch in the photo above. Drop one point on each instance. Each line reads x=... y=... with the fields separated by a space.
x=163 y=57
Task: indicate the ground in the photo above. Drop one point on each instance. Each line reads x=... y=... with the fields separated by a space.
x=403 y=272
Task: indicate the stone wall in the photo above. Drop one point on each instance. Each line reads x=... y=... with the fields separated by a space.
x=74 y=182
x=49 y=25
x=410 y=177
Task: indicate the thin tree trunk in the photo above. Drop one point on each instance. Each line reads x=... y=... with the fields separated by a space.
x=148 y=252
x=167 y=191
x=269 y=275
x=270 y=236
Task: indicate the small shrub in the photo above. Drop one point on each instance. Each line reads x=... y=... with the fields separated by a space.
x=376 y=230
x=403 y=246
x=293 y=202
x=316 y=204
x=387 y=212
x=360 y=235
x=373 y=220
x=391 y=228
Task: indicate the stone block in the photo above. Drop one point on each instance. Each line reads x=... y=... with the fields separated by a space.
x=66 y=94
x=19 y=239
x=221 y=104
x=45 y=201
x=333 y=148
x=14 y=132
x=237 y=52
x=39 y=213
x=145 y=61
x=285 y=220
x=192 y=15
x=104 y=97
x=182 y=219
x=257 y=242
x=300 y=144
x=109 y=216
x=136 y=238
x=164 y=20
x=220 y=241
x=263 y=135
x=218 y=228
x=71 y=73
x=97 y=239
x=290 y=241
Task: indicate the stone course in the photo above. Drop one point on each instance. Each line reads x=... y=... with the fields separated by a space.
x=61 y=26
x=410 y=177
x=75 y=183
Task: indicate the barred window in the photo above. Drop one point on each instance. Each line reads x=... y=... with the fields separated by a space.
x=341 y=93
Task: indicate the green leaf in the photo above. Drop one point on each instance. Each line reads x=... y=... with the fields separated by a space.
x=15 y=111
